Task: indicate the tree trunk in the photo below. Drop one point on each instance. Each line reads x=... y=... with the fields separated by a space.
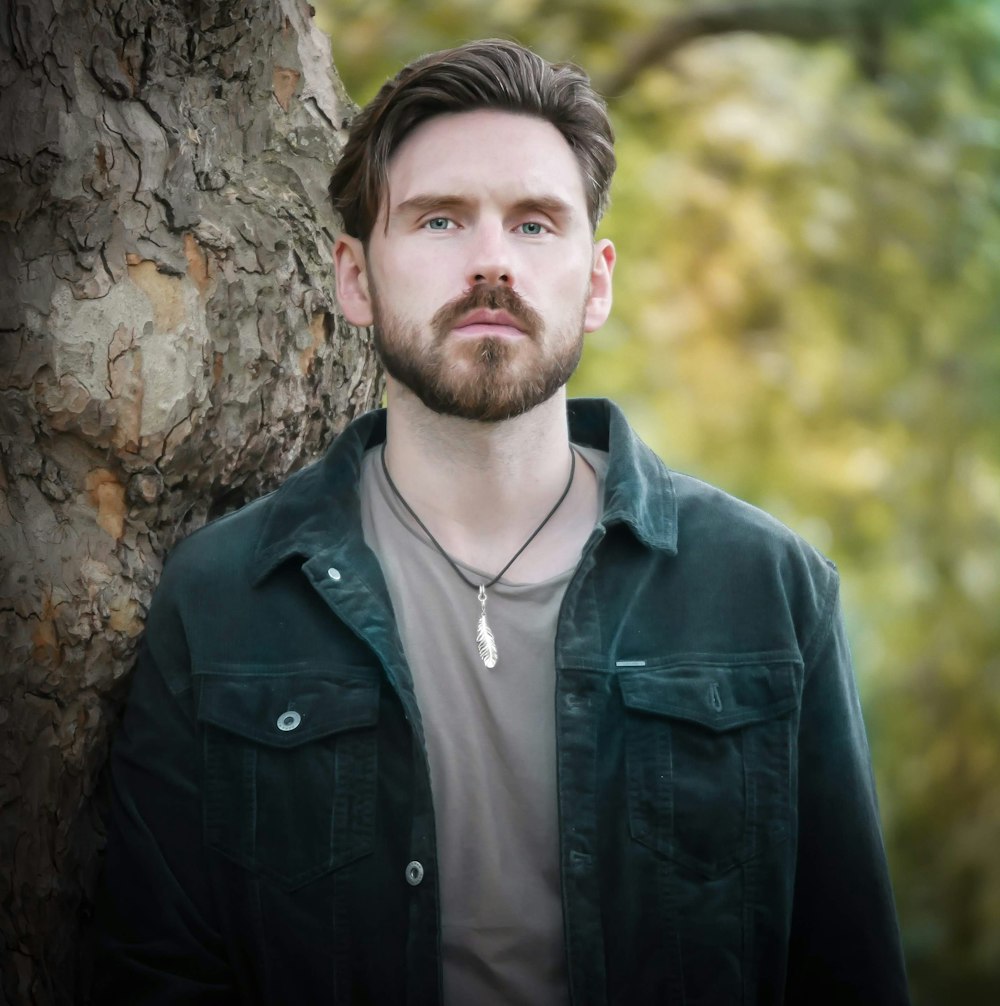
x=169 y=346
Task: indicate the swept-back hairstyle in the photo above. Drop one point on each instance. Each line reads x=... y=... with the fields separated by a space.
x=491 y=73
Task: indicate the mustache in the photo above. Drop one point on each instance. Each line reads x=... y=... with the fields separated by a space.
x=495 y=297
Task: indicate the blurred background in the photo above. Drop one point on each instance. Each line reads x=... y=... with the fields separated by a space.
x=807 y=313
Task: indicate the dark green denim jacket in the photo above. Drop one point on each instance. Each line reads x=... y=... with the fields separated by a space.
x=719 y=834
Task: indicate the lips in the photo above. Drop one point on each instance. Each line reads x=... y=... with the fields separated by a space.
x=485 y=321
x=491 y=311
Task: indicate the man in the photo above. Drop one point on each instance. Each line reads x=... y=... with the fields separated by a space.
x=488 y=706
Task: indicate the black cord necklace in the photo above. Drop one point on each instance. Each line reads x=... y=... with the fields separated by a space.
x=484 y=634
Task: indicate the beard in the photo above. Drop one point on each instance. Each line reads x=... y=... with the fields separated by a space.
x=486 y=379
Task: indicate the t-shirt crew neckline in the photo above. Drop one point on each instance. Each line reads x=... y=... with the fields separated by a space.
x=596 y=460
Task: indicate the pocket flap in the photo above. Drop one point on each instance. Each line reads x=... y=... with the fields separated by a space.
x=717 y=696
x=286 y=708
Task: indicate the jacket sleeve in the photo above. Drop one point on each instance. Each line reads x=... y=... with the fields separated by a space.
x=158 y=942
x=845 y=943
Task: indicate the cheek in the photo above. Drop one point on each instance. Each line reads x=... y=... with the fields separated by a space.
x=413 y=281
x=572 y=292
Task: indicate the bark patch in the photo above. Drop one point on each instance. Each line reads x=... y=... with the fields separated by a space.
x=286 y=82
x=317 y=335
x=165 y=293
x=107 y=496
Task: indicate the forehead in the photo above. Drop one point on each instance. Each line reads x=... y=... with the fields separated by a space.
x=485 y=154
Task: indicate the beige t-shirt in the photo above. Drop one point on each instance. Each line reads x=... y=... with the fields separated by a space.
x=491 y=745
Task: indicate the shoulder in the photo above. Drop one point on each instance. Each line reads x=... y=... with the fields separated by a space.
x=223 y=544
x=714 y=517
x=208 y=596
x=306 y=509
x=750 y=555
x=222 y=554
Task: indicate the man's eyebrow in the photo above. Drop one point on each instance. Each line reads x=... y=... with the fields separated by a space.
x=430 y=201
x=551 y=206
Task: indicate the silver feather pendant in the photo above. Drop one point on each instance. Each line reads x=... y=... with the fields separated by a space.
x=484 y=634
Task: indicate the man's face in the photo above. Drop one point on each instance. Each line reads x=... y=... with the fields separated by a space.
x=481 y=275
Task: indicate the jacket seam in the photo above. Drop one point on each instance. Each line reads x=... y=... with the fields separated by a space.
x=824 y=630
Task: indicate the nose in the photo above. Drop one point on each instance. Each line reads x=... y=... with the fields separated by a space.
x=490 y=261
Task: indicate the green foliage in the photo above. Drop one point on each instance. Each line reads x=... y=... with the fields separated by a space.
x=808 y=313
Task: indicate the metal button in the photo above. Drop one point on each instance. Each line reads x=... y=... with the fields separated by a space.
x=414 y=873
x=289 y=720
x=333 y=573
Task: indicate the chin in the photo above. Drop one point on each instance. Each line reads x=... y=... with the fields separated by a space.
x=486 y=380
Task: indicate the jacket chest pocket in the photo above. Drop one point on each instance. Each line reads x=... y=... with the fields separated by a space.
x=290 y=769
x=709 y=761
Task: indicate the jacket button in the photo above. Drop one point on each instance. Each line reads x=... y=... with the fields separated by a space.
x=333 y=573
x=414 y=873
x=289 y=720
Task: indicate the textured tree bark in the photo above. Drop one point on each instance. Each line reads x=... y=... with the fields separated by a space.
x=169 y=346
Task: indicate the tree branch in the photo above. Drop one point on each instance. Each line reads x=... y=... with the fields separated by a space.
x=807 y=22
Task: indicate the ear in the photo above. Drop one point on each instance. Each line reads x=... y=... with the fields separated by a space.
x=598 y=305
x=353 y=293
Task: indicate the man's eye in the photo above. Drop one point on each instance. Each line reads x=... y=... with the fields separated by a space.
x=437 y=224
x=532 y=227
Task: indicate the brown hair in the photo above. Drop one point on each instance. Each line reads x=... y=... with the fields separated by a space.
x=491 y=73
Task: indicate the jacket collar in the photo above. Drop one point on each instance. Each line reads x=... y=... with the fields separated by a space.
x=638 y=491
x=319 y=507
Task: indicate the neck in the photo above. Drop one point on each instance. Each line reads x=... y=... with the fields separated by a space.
x=482 y=488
